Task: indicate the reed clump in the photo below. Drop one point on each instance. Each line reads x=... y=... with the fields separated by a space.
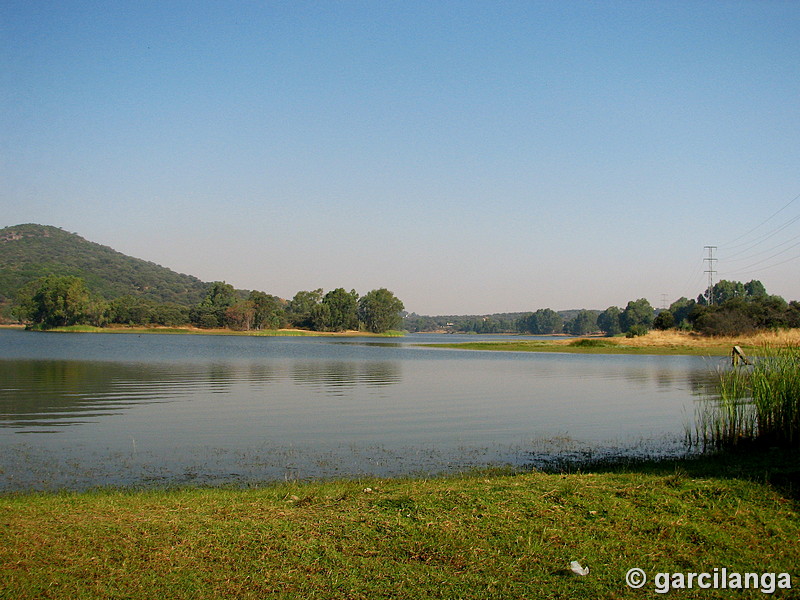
x=757 y=403
x=591 y=343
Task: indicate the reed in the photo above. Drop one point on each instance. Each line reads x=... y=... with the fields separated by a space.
x=759 y=403
x=591 y=343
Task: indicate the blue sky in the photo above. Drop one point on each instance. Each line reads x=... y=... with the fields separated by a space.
x=473 y=157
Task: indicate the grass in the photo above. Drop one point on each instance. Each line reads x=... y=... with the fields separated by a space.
x=655 y=342
x=483 y=535
x=755 y=404
x=591 y=343
x=592 y=347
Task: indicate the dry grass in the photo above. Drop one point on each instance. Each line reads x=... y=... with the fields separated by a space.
x=677 y=339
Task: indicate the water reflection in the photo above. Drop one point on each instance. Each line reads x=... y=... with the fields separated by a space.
x=338 y=377
x=36 y=392
x=39 y=392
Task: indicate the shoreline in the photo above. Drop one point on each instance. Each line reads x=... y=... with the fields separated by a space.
x=669 y=343
x=161 y=330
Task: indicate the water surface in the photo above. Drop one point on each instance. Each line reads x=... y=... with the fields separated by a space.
x=80 y=410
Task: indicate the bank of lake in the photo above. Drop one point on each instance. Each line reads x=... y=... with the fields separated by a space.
x=487 y=534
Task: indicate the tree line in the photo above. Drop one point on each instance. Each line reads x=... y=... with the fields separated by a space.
x=728 y=308
x=731 y=308
x=58 y=301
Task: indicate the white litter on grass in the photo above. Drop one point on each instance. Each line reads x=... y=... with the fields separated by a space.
x=576 y=568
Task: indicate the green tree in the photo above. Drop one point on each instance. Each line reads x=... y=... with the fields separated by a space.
x=638 y=313
x=793 y=314
x=380 y=310
x=54 y=301
x=205 y=317
x=321 y=317
x=664 y=320
x=131 y=310
x=170 y=314
x=220 y=295
x=754 y=290
x=769 y=312
x=608 y=321
x=584 y=322
x=681 y=309
x=341 y=313
x=722 y=291
x=269 y=312
x=240 y=316
x=543 y=322
x=741 y=308
x=23 y=307
x=211 y=312
x=732 y=318
x=301 y=307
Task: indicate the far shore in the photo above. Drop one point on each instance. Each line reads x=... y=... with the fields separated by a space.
x=217 y=331
x=655 y=342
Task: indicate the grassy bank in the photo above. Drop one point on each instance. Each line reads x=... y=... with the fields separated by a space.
x=220 y=331
x=486 y=535
x=655 y=342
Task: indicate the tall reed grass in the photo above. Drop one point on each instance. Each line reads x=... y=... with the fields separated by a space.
x=758 y=403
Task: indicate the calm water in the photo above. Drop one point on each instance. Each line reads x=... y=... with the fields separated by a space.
x=80 y=410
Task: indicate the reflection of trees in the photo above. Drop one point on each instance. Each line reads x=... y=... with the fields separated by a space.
x=58 y=392
x=335 y=377
x=53 y=392
x=702 y=382
x=63 y=392
x=670 y=377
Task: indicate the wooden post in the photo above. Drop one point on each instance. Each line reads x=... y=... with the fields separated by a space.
x=737 y=354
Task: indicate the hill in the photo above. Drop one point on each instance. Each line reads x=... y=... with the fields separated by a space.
x=31 y=251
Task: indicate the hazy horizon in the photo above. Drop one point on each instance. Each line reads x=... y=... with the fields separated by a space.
x=472 y=157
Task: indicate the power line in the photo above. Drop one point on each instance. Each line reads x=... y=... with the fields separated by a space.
x=763 y=260
x=743 y=251
x=761 y=269
x=752 y=256
x=696 y=277
x=763 y=238
x=767 y=220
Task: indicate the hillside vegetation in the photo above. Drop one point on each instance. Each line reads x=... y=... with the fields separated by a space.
x=50 y=278
x=28 y=252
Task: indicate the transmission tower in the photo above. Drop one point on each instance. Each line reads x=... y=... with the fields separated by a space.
x=710 y=259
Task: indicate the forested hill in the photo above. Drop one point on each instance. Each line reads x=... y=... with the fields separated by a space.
x=31 y=251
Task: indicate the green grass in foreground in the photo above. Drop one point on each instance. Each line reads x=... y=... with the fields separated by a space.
x=580 y=347
x=485 y=535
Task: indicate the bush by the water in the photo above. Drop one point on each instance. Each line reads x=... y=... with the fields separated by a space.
x=591 y=343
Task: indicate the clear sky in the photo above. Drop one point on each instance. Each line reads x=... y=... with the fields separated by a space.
x=473 y=157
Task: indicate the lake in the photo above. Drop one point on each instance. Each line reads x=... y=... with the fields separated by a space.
x=84 y=410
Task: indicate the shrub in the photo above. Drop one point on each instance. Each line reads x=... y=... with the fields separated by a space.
x=636 y=331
